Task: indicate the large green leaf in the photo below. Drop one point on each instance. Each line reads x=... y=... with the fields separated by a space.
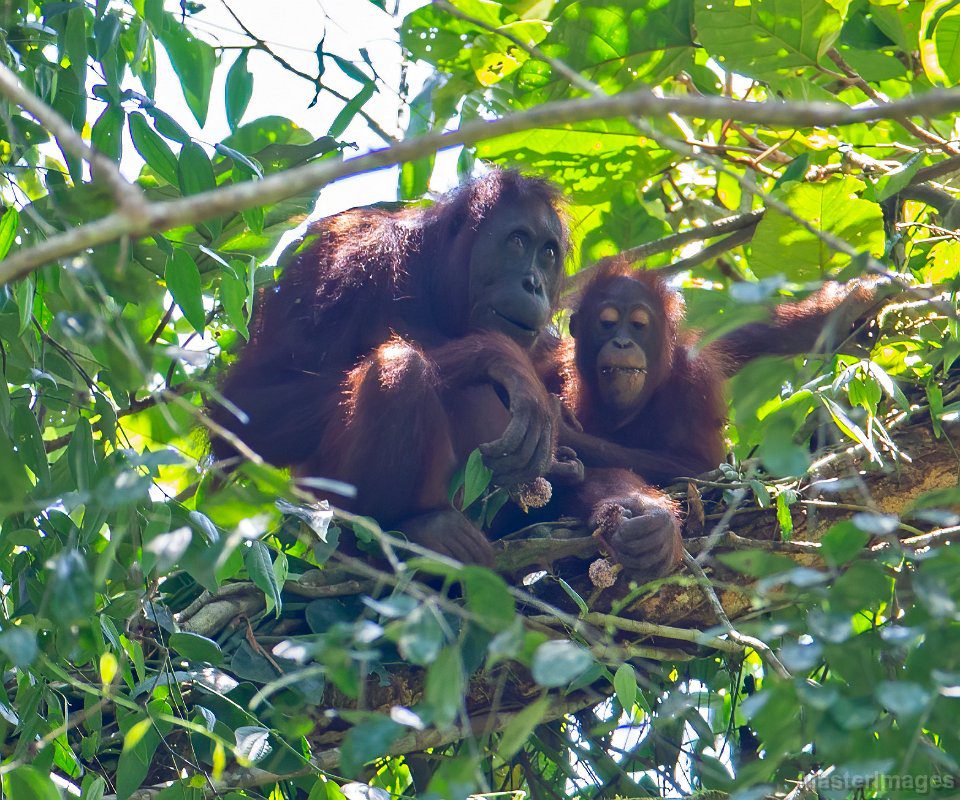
x=193 y=60
x=614 y=45
x=183 y=282
x=154 y=150
x=29 y=783
x=767 y=38
x=782 y=246
x=239 y=90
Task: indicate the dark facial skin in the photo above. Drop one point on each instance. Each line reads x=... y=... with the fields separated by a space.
x=622 y=335
x=515 y=269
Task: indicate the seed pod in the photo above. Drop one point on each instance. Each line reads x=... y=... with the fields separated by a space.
x=535 y=494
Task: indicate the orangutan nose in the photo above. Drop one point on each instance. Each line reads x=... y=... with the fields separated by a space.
x=622 y=343
x=532 y=283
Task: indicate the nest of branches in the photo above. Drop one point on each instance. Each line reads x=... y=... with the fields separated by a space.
x=565 y=586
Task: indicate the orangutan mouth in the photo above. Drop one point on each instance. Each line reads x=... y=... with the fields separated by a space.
x=522 y=326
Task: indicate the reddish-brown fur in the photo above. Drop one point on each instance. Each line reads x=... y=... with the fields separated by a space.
x=361 y=361
x=678 y=430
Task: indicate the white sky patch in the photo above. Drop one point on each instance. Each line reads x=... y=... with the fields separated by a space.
x=293 y=29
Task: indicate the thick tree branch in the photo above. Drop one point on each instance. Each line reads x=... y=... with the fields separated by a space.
x=642 y=103
x=128 y=195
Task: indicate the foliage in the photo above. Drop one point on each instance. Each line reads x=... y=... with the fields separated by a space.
x=115 y=529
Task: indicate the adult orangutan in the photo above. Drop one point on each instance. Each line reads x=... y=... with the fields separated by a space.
x=396 y=342
x=646 y=400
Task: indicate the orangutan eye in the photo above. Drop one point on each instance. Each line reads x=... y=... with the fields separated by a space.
x=640 y=317
x=609 y=317
x=518 y=239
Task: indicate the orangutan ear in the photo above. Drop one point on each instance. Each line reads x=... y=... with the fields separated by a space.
x=574 y=325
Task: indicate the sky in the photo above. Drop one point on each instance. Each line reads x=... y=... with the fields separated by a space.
x=293 y=28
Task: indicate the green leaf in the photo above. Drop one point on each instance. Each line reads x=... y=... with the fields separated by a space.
x=19 y=644
x=106 y=30
x=14 y=484
x=94 y=787
x=778 y=451
x=625 y=685
x=107 y=133
x=898 y=179
x=784 y=518
x=193 y=60
x=25 y=292
x=476 y=478
x=163 y=550
x=367 y=741
x=415 y=175
x=168 y=126
x=351 y=109
x=556 y=663
x=71 y=589
x=233 y=296
x=936 y=498
x=253 y=742
x=140 y=742
x=153 y=149
x=445 y=686
x=488 y=597
x=29 y=783
x=239 y=89
x=903 y=698
x=942 y=65
x=195 y=647
x=80 y=455
x=256 y=558
x=29 y=441
x=518 y=730
x=249 y=167
x=756 y=563
x=8 y=229
x=421 y=636
x=350 y=69
x=194 y=170
x=574 y=595
x=183 y=283
x=781 y=246
x=764 y=38
x=4 y=404
x=849 y=427
x=843 y=542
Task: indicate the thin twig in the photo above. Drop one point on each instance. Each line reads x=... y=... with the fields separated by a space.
x=707 y=253
x=700 y=233
x=318 y=84
x=652 y=629
x=52 y=445
x=762 y=648
x=921 y=133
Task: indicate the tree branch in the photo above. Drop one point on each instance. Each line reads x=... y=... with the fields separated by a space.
x=921 y=133
x=762 y=648
x=128 y=195
x=237 y=197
